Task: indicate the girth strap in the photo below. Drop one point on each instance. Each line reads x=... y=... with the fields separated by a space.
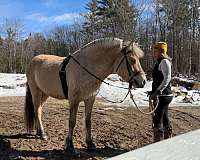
x=62 y=74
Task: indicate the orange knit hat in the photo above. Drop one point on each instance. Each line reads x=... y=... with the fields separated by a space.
x=161 y=45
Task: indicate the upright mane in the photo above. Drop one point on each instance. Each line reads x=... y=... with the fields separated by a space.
x=102 y=42
x=111 y=42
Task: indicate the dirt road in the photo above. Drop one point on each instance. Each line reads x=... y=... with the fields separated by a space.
x=114 y=131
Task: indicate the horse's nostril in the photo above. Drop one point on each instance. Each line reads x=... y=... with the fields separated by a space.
x=144 y=82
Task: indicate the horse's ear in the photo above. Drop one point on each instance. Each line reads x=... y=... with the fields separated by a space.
x=127 y=47
x=137 y=44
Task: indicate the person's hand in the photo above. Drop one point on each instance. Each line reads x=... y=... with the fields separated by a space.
x=149 y=93
x=154 y=95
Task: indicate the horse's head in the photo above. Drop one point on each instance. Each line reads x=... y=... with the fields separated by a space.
x=128 y=65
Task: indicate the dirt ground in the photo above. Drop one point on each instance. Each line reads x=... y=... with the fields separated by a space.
x=114 y=131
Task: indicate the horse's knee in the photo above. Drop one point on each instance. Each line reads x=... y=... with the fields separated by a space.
x=73 y=113
x=72 y=123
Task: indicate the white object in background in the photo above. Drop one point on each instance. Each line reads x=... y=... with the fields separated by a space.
x=182 y=147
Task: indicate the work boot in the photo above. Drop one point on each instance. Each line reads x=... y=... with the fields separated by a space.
x=158 y=134
x=168 y=132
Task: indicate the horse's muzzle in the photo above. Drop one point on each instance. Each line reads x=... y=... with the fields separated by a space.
x=143 y=83
x=137 y=83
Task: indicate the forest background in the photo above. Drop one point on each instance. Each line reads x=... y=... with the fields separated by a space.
x=175 y=21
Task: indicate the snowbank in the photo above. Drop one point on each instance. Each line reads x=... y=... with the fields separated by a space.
x=14 y=85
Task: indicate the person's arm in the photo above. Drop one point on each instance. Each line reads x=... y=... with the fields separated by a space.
x=165 y=67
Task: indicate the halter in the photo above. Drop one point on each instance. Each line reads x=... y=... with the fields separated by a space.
x=131 y=73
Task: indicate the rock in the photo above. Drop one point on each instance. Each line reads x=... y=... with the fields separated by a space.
x=176 y=81
x=196 y=86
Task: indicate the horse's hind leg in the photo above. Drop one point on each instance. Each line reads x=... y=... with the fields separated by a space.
x=39 y=126
x=88 y=110
x=38 y=99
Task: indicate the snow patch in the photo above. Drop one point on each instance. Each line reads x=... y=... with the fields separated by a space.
x=14 y=85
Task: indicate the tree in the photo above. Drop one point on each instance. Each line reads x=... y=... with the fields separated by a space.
x=178 y=28
x=13 y=30
x=65 y=39
x=113 y=18
x=90 y=27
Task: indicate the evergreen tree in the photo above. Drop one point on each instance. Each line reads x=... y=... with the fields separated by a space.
x=113 y=18
x=90 y=26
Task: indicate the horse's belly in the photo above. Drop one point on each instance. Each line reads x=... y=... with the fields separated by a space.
x=50 y=85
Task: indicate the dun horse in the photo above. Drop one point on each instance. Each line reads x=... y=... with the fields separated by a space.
x=100 y=57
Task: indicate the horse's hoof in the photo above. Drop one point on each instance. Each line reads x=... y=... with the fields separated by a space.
x=91 y=147
x=72 y=152
x=43 y=136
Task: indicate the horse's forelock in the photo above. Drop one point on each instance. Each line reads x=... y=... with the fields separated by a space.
x=137 y=50
x=133 y=47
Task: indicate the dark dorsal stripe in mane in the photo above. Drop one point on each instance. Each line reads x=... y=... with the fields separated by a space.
x=109 y=42
x=104 y=42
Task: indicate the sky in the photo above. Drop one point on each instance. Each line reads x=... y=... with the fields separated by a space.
x=41 y=15
x=38 y=15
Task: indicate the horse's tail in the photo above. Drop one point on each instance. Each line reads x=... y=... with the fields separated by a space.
x=29 y=114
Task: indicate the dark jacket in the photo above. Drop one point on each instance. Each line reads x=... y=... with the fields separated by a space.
x=158 y=79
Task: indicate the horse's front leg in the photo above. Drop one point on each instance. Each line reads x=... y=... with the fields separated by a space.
x=88 y=110
x=69 y=146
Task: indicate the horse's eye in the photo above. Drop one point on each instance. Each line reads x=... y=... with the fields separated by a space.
x=133 y=61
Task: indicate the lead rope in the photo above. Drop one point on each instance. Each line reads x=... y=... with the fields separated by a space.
x=115 y=101
x=151 y=106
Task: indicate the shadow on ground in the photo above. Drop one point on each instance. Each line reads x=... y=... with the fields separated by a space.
x=7 y=152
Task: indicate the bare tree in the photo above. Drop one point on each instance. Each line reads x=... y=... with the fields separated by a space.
x=12 y=29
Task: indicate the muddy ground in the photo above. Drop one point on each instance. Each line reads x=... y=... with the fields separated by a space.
x=114 y=131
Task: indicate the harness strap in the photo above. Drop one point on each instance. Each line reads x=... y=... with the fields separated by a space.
x=62 y=74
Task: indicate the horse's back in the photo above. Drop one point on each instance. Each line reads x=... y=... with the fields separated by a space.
x=51 y=59
x=49 y=63
x=43 y=73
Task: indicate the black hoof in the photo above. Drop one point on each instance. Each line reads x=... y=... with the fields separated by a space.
x=72 y=152
x=91 y=147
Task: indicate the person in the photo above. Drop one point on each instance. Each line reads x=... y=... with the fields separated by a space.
x=161 y=93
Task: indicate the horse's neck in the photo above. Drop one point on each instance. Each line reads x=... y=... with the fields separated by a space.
x=99 y=61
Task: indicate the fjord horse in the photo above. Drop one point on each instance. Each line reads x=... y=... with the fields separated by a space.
x=101 y=57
